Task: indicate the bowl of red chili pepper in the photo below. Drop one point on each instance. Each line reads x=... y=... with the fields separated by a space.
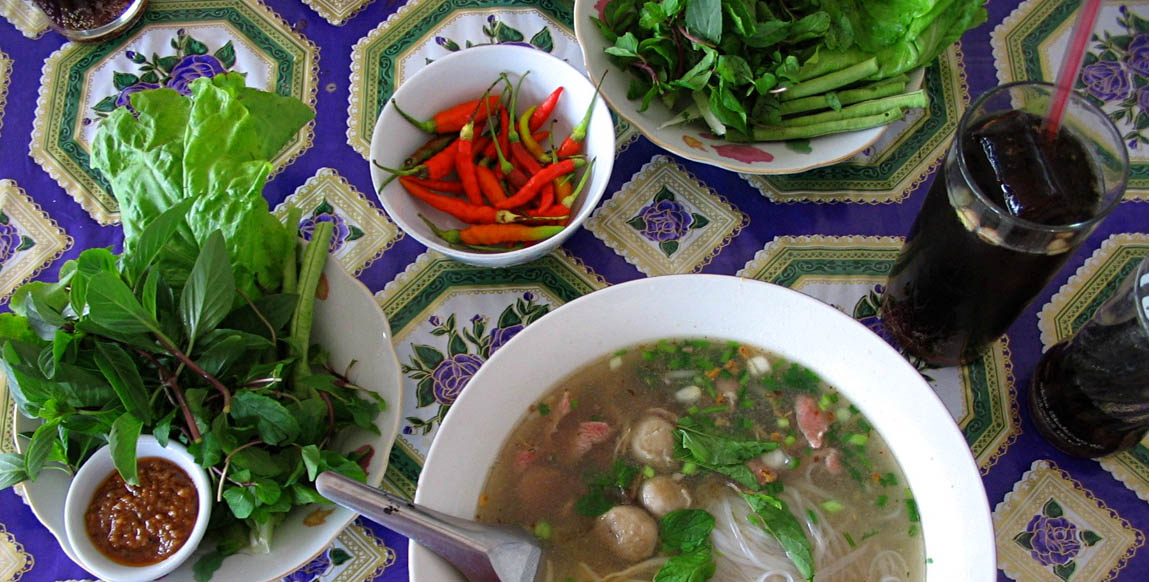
x=493 y=155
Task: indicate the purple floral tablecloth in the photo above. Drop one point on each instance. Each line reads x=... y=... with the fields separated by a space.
x=832 y=233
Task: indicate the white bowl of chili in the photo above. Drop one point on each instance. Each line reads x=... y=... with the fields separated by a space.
x=462 y=76
x=103 y=516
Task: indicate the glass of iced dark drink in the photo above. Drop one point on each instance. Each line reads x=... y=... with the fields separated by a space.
x=1090 y=394
x=1009 y=206
x=91 y=20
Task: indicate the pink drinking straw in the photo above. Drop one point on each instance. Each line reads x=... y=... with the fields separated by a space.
x=1071 y=66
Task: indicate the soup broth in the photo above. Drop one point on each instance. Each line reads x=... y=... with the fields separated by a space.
x=705 y=458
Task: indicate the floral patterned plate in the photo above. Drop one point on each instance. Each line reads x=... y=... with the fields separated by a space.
x=692 y=141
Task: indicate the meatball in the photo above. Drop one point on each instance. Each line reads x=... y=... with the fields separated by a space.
x=652 y=443
x=662 y=495
x=628 y=531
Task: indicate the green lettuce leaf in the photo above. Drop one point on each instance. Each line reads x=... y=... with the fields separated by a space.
x=214 y=147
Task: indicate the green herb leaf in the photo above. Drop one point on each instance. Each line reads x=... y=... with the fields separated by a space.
x=240 y=501
x=39 y=447
x=272 y=420
x=123 y=375
x=11 y=470
x=685 y=530
x=123 y=437
x=151 y=242
x=111 y=305
x=704 y=19
x=312 y=460
x=210 y=289
x=716 y=450
x=772 y=515
x=695 y=566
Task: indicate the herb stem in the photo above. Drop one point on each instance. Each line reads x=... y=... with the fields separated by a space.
x=227 y=463
x=169 y=380
x=259 y=313
x=185 y=360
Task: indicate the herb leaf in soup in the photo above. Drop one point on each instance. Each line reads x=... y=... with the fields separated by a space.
x=772 y=515
x=708 y=449
x=685 y=530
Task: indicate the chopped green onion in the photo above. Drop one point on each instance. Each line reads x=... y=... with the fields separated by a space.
x=870 y=534
x=648 y=471
x=789 y=440
x=857 y=439
x=689 y=468
x=882 y=500
x=574 y=403
x=849 y=539
x=832 y=506
x=713 y=409
x=648 y=356
x=692 y=410
x=543 y=530
x=824 y=402
x=887 y=480
x=913 y=530
x=794 y=462
x=812 y=516
x=620 y=353
x=544 y=409
x=783 y=423
x=912 y=508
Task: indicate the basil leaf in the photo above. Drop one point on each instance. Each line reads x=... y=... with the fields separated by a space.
x=685 y=530
x=272 y=420
x=208 y=293
x=772 y=515
x=162 y=430
x=124 y=377
x=254 y=318
x=11 y=470
x=123 y=438
x=704 y=19
x=112 y=306
x=39 y=447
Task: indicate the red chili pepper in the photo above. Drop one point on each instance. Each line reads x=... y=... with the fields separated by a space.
x=490 y=185
x=465 y=165
x=573 y=143
x=495 y=234
x=425 y=151
x=452 y=119
x=436 y=167
x=517 y=178
x=449 y=186
x=524 y=159
x=461 y=209
x=538 y=181
x=543 y=113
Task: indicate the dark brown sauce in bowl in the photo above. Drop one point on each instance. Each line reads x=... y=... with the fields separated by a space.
x=143 y=525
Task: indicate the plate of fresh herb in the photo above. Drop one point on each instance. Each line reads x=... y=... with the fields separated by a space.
x=215 y=327
x=767 y=87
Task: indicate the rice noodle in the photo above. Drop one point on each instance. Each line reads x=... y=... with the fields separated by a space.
x=652 y=564
x=746 y=553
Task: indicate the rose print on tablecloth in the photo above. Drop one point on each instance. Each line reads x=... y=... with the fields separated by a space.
x=441 y=375
x=1116 y=76
x=1054 y=540
x=189 y=61
x=11 y=240
x=666 y=221
x=344 y=232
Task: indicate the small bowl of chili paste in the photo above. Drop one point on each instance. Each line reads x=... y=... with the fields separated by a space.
x=125 y=532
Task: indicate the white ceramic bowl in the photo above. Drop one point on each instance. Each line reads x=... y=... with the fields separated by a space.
x=351 y=327
x=464 y=75
x=925 y=440
x=692 y=140
x=94 y=471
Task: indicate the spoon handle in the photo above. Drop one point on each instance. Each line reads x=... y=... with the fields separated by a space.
x=481 y=552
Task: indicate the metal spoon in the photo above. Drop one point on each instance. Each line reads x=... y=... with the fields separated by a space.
x=482 y=552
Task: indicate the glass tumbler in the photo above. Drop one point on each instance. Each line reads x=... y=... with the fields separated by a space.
x=1090 y=394
x=91 y=20
x=1006 y=210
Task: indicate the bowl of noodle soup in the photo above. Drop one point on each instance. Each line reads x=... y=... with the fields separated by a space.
x=642 y=433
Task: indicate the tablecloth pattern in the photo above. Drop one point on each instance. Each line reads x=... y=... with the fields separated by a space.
x=832 y=233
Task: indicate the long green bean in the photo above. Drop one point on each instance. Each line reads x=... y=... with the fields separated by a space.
x=775 y=133
x=864 y=109
x=884 y=88
x=831 y=81
x=314 y=258
x=291 y=261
